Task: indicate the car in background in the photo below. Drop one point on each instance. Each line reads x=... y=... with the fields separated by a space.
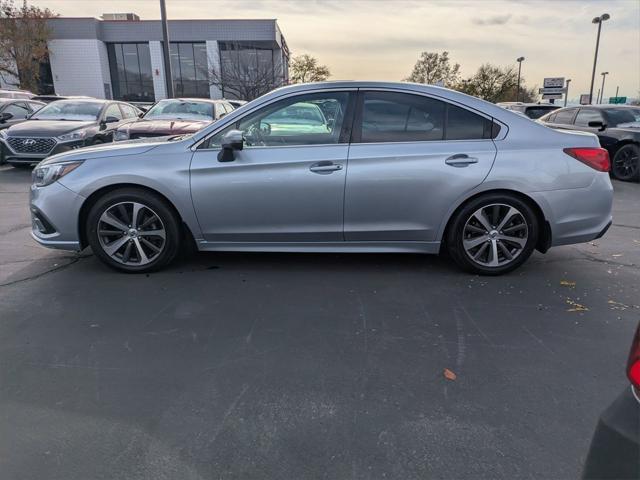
x=64 y=125
x=531 y=110
x=617 y=128
x=174 y=116
x=429 y=169
x=21 y=94
x=615 y=447
x=54 y=97
x=13 y=111
x=236 y=103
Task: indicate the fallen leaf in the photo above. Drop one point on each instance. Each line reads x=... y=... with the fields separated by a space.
x=567 y=283
x=449 y=375
x=576 y=307
x=617 y=255
x=617 y=305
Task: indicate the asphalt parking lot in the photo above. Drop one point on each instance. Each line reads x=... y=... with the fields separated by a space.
x=308 y=366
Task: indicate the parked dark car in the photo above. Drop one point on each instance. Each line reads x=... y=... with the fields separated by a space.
x=64 y=125
x=14 y=111
x=615 y=447
x=617 y=127
x=531 y=110
x=175 y=116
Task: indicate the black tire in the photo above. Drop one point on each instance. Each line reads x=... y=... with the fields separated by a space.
x=97 y=141
x=153 y=204
x=626 y=163
x=458 y=231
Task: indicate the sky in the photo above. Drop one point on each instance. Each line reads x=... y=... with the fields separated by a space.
x=382 y=39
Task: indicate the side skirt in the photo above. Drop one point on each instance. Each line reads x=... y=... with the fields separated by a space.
x=334 y=247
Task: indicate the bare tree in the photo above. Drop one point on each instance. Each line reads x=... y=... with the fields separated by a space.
x=434 y=67
x=496 y=84
x=23 y=43
x=305 y=68
x=245 y=74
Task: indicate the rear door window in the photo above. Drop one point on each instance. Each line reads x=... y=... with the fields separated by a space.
x=463 y=124
x=565 y=117
x=586 y=115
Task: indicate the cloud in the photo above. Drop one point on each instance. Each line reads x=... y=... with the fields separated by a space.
x=492 y=20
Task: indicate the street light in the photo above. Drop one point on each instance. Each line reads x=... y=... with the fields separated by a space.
x=566 y=94
x=519 y=60
x=598 y=20
x=604 y=74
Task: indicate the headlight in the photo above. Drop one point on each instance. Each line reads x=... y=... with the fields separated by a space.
x=120 y=135
x=47 y=174
x=72 y=136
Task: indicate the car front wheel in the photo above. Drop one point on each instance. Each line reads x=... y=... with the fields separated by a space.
x=133 y=230
x=493 y=234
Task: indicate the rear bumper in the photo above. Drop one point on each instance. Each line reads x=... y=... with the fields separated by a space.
x=578 y=215
x=615 y=447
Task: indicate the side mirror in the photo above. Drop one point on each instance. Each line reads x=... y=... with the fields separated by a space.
x=232 y=140
x=111 y=119
x=598 y=124
x=5 y=116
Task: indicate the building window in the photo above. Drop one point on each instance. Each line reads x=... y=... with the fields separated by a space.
x=131 y=75
x=247 y=71
x=189 y=69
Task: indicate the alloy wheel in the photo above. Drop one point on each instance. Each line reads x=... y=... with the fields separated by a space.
x=626 y=162
x=131 y=233
x=495 y=235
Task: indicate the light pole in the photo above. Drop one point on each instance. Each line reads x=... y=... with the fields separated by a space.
x=604 y=74
x=566 y=94
x=165 y=50
x=598 y=20
x=519 y=60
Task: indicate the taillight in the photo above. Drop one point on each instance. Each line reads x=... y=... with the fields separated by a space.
x=633 y=365
x=597 y=158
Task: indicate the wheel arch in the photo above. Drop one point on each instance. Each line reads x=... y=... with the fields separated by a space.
x=544 y=240
x=93 y=198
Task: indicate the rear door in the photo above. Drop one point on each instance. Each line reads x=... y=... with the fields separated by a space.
x=411 y=157
x=586 y=115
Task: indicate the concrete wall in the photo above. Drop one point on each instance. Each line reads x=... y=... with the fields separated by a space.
x=80 y=67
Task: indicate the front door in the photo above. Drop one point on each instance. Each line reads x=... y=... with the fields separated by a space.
x=411 y=158
x=287 y=184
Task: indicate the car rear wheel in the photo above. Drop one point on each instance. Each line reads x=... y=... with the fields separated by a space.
x=626 y=163
x=133 y=231
x=492 y=234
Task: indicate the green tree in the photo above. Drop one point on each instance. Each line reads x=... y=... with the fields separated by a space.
x=434 y=67
x=23 y=43
x=305 y=68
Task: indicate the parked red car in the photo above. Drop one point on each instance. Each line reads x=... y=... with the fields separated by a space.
x=175 y=116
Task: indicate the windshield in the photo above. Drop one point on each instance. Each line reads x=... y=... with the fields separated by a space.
x=69 y=110
x=180 y=110
x=623 y=117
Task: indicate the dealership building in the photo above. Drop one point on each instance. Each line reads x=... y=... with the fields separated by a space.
x=121 y=57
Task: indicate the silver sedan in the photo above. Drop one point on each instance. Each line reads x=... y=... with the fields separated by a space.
x=333 y=167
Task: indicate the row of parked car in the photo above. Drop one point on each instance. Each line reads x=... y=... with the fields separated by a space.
x=35 y=127
x=616 y=126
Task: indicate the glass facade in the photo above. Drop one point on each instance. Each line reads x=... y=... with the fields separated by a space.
x=131 y=74
x=245 y=66
x=189 y=69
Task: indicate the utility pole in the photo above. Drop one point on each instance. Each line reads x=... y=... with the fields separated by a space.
x=168 y=78
x=566 y=94
x=519 y=60
x=617 y=89
x=597 y=96
x=604 y=75
x=598 y=20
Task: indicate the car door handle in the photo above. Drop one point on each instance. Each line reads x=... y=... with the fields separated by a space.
x=325 y=167
x=460 y=160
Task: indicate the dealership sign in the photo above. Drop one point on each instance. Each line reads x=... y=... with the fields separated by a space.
x=554 y=82
x=585 y=99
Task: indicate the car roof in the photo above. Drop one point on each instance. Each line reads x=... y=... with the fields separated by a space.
x=188 y=99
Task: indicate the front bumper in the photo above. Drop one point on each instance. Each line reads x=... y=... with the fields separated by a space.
x=54 y=216
x=615 y=447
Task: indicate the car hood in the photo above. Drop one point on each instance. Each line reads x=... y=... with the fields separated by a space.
x=165 y=127
x=105 y=150
x=46 y=128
